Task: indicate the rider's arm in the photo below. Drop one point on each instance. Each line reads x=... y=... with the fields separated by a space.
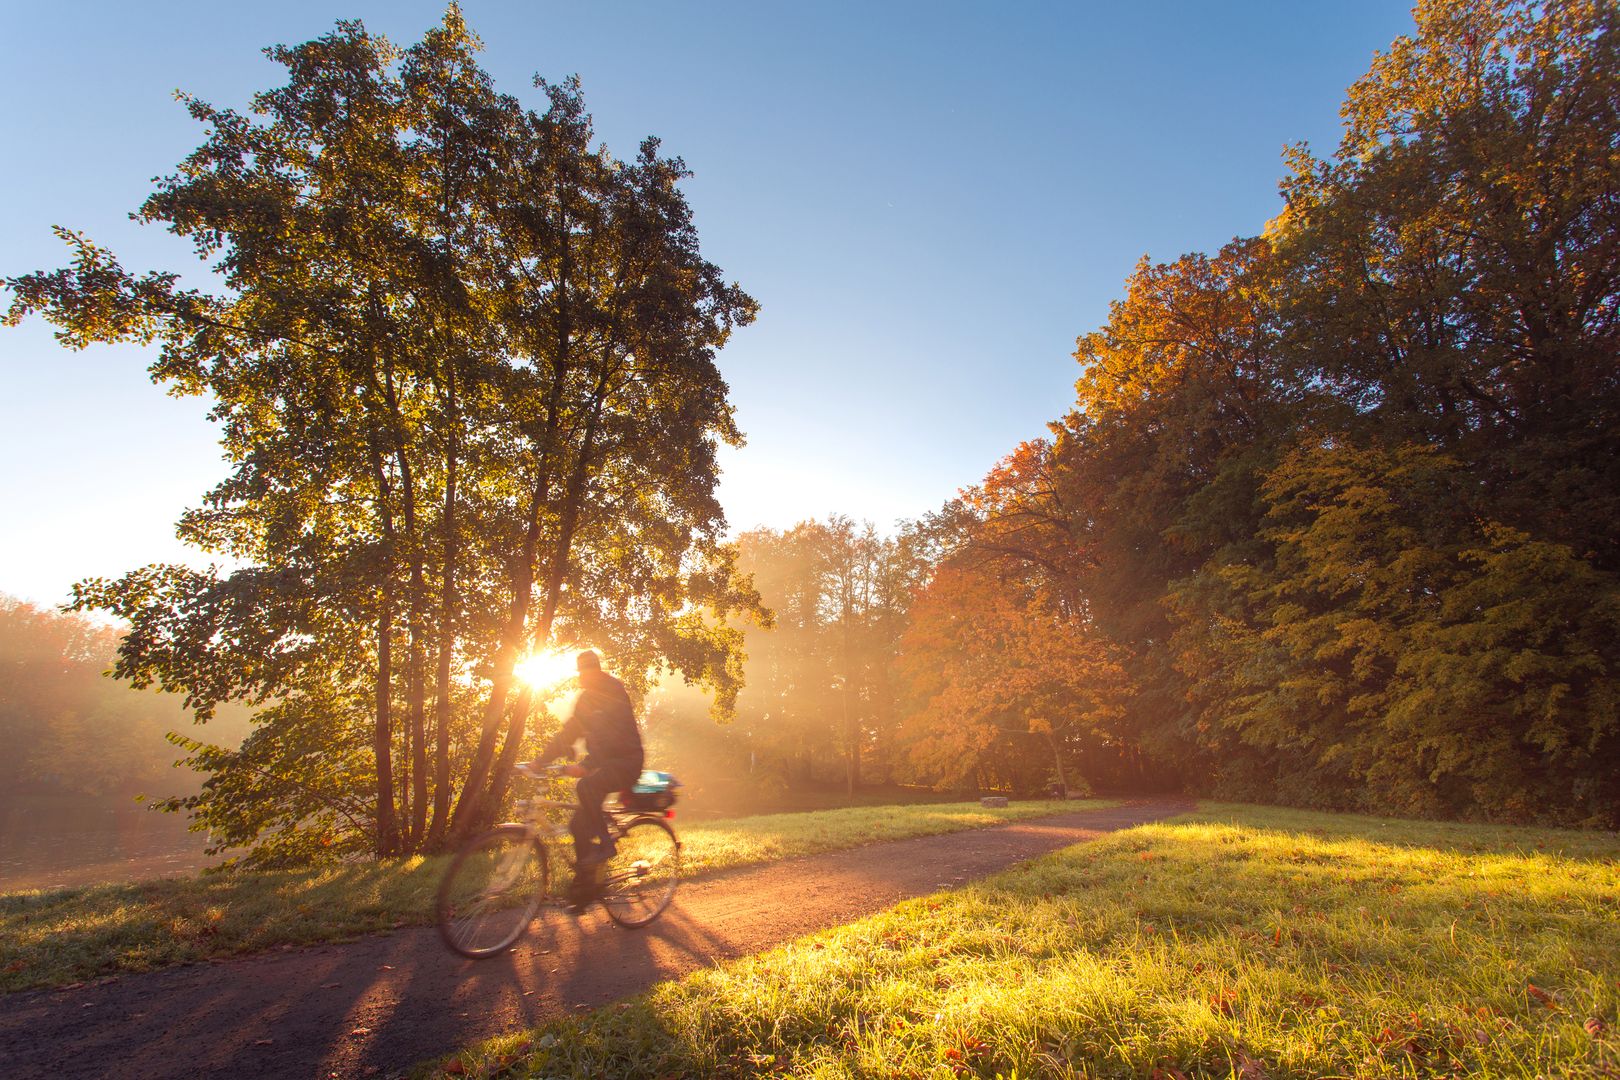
x=562 y=743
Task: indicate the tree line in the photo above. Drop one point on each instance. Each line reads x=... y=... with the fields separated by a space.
x=1335 y=517
x=69 y=732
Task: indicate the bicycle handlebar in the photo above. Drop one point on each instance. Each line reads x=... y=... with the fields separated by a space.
x=540 y=772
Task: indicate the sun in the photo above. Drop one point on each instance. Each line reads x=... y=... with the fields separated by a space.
x=545 y=669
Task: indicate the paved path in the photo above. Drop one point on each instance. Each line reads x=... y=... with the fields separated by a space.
x=381 y=1004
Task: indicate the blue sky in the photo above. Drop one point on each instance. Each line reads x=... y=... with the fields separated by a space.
x=930 y=201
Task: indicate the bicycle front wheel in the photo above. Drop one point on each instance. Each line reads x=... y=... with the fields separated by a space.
x=493 y=888
x=639 y=881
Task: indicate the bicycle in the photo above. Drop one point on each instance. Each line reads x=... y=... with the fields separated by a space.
x=501 y=881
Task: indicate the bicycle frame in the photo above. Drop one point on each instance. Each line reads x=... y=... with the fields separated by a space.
x=549 y=831
x=634 y=885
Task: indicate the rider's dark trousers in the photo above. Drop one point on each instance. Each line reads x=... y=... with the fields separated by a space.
x=588 y=825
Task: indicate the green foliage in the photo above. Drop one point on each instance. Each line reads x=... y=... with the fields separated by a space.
x=1406 y=655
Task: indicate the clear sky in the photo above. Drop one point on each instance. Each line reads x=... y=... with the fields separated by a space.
x=930 y=200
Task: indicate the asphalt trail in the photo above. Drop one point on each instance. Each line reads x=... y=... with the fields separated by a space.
x=373 y=1007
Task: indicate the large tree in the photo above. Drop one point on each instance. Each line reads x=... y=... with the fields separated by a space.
x=463 y=363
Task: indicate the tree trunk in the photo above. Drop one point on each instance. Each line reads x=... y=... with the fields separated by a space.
x=383 y=733
x=415 y=817
x=447 y=630
x=556 y=574
x=852 y=737
x=1057 y=759
x=382 y=739
x=501 y=775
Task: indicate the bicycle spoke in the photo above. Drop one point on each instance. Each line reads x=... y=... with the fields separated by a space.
x=640 y=880
x=491 y=891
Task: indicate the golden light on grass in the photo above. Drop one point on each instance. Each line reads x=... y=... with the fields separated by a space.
x=546 y=669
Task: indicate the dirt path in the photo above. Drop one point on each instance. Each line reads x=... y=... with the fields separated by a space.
x=379 y=1005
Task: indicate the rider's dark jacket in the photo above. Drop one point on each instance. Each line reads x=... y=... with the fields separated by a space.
x=604 y=716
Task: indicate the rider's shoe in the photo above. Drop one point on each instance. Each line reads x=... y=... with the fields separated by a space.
x=581 y=893
x=587 y=884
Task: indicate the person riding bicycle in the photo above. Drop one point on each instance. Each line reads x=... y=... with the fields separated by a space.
x=613 y=760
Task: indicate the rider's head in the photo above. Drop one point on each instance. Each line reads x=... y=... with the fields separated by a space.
x=588 y=661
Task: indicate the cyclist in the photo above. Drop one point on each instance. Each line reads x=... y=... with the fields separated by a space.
x=613 y=759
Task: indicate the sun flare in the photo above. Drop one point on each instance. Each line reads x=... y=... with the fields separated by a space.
x=545 y=669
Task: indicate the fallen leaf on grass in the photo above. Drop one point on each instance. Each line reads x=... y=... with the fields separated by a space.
x=1542 y=996
x=1249 y=1069
x=1168 y=1072
x=456 y=1068
x=1594 y=1027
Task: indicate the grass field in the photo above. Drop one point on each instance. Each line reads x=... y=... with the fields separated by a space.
x=57 y=937
x=1237 y=942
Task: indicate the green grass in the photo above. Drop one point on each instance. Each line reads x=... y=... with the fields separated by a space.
x=1237 y=942
x=61 y=936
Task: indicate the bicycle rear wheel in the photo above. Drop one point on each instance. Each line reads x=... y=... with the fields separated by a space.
x=639 y=881
x=493 y=888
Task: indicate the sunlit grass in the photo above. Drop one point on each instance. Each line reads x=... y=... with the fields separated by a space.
x=59 y=936
x=1237 y=942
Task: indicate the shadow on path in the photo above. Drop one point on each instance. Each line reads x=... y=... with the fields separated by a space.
x=375 y=1006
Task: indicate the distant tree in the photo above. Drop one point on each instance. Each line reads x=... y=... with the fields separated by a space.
x=69 y=730
x=1005 y=670
x=991 y=658
x=1327 y=492
x=820 y=679
x=463 y=364
x=1186 y=398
